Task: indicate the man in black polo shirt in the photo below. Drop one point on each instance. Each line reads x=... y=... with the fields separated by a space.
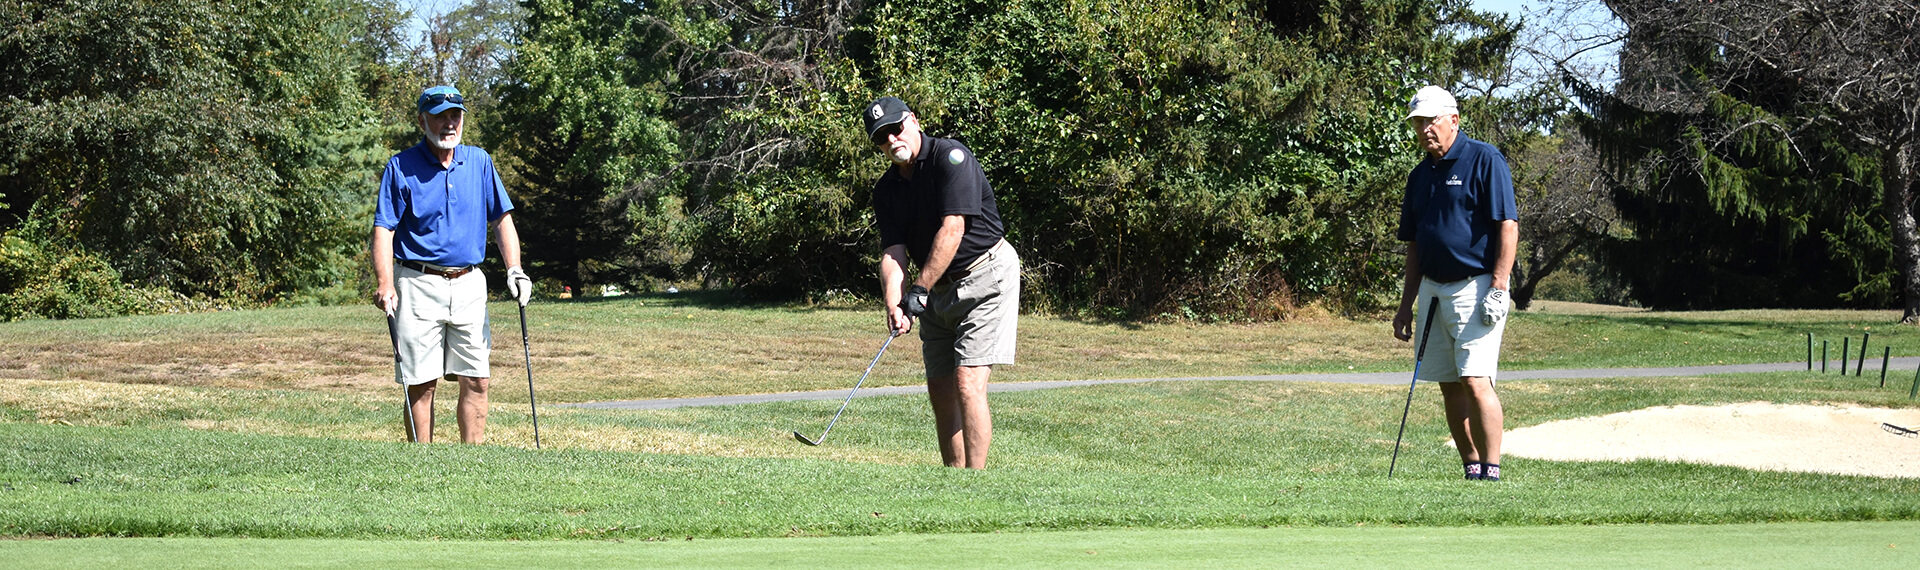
x=935 y=205
x=1461 y=227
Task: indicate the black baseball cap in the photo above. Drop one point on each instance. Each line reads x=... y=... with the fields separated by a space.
x=883 y=112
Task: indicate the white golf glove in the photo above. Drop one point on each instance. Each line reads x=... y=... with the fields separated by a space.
x=1493 y=308
x=519 y=285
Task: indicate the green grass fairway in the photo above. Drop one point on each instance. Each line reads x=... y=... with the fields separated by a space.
x=1879 y=545
x=1164 y=455
x=269 y=439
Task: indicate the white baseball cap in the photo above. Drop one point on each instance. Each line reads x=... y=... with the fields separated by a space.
x=1432 y=101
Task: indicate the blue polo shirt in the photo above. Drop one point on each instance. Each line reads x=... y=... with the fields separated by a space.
x=1453 y=207
x=439 y=215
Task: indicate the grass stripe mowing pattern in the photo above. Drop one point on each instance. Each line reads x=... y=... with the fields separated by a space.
x=1185 y=455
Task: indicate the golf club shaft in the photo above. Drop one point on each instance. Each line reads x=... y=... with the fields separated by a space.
x=856 y=387
x=1419 y=354
x=406 y=392
x=528 y=353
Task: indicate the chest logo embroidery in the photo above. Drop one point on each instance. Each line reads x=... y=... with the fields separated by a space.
x=956 y=157
x=1455 y=180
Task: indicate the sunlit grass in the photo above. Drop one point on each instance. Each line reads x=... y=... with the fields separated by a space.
x=285 y=423
x=161 y=460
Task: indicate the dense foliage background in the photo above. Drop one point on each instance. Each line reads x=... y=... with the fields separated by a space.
x=1196 y=159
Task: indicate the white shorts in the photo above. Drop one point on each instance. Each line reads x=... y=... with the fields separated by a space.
x=1460 y=345
x=441 y=326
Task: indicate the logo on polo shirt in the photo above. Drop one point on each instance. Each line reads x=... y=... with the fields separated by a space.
x=875 y=111
x=956 y=157
x=1455 y=180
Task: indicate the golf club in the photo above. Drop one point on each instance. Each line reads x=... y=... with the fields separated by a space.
x=524 y=351
x=1418 y=355
x=406 y=394
x=856 y=388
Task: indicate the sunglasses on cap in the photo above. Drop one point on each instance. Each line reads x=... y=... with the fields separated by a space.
x=880 y=136
x=438 y=98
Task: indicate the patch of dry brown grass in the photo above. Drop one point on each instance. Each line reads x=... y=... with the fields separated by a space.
x=647 y=347
x=634 y=349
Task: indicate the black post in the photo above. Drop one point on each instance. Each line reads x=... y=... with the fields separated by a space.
x=1862 y=365
x=1823 y=357
x=1846 y=343
x=1915 y=390
x=1886 y=354
x=1809 y=352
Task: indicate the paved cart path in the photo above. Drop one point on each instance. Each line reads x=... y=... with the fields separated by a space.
x=1895 y=375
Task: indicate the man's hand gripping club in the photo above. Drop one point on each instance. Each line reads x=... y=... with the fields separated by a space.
x=911 y=306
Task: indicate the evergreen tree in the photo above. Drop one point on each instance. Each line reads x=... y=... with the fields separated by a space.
x=1743 y=127
x=583 y=125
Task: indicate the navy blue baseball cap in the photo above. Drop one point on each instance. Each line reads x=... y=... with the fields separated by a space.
x=437 y=99
x=883 y=112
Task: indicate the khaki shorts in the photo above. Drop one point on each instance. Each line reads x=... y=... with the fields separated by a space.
x=441 y=326
x=1460 y=345
x=972 y=320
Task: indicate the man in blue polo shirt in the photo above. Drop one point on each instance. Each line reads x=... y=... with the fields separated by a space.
x=436 y=202
x=1461 y=227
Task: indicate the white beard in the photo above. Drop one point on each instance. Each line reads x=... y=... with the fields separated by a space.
x=444 y=144
x=900 y=154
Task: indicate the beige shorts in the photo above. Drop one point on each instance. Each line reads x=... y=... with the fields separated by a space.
x=441 y=326
x=972 y=320
x=1460 y=345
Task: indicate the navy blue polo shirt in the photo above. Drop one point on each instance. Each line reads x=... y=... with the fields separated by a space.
x=1453 y=207
x=439 y=215
x=946 y=181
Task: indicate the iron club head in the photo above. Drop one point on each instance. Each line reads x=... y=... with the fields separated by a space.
x=803 y=439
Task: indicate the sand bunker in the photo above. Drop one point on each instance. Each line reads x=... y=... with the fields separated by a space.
x=1844 y=440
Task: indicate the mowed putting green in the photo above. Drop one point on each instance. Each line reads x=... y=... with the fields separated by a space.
x=1785 y=545
x=141 y=431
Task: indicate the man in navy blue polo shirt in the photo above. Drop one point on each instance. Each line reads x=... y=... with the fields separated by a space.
x=436 y=202
x=1461 y=227
x=934 y=207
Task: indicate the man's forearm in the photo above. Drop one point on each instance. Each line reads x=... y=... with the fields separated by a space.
x=893 y=272
x=1410 y=285
x=1503 y=261
x=380 y=255
x=945 y=244
x=509 y=240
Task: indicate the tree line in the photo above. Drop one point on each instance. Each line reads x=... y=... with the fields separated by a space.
x=1197 y=159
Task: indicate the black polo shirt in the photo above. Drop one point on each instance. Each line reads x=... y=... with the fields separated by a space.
x=946 y=181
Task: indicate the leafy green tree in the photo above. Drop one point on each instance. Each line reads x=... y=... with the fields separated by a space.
x=210 y=148
x=1210 y=159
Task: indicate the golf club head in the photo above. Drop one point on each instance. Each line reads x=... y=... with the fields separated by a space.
x=803 y=439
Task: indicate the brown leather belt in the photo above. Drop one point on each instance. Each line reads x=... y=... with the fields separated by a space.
x=447 y=272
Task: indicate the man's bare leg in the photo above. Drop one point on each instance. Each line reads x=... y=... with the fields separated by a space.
x=944 y=393
x=1459 y=408
x=473 y=409
x=420 y=402
x=1487 y=417
x=976 y=419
